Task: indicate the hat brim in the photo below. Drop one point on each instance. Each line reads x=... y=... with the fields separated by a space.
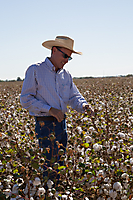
x=49 y=44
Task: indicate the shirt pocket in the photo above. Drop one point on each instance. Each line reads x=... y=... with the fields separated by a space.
x=65 y=91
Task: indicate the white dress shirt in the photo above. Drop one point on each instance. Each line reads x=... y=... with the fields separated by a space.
x=44 y=88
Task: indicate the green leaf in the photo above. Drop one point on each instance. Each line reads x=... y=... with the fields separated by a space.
x=81 y=189
x=81 y=165
x=61 y=167
x=15 y=171
x=93 y=181
x=86 y=145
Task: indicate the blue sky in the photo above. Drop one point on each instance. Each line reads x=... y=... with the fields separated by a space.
x=102 y=31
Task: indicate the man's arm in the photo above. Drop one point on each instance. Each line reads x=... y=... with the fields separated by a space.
x=28 y=94
x=76 y=100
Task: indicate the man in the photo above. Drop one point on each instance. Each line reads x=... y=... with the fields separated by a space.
x=47 y=90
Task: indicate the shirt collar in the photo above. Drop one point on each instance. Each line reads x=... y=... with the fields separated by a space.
x=50 y=65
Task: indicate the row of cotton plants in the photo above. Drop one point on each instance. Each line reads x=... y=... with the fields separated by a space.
x=98 y=163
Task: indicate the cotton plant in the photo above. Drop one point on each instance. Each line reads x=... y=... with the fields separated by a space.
x=99 y=157
x=41 y=192
x=50 y=184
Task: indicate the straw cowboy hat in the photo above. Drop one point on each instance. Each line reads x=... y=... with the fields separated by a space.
x=61 y=41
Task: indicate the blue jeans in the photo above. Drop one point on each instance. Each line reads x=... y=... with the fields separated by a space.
x=43 y=130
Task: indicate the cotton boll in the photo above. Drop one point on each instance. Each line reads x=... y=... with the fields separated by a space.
x=100 y=108
x=64 y=197
x=113 y=148
x=3 y=135
x=81 y=160
x=99 y=198
x=1 y=165
x=125 y=191
x=126 y=161
x=106 y=179
x=26 y=190
x=123 y=167
x=56 y=194
x=7 y=192
x=100 y=191
x=125 y=176
x=50 y=194
x=97 y=147
x=9 y=116
x=15 y=189
x=117 y=119
x=49 y=184
x=120 y=141
x=41 y=191
x=1 y=186
x=117 y=164
x=132 y=169
x=37 y=181
x=124 y=197
x=71 y=198
x=121 y=135
x=105 y=191
x=107 y=186
x=85 y=119
x=88 y=139
x=92 y=128
x=117 y=186
x=100 y=173
x=109 y=151
x=131 y=161
x=131 y=148
x=68 y=192
x=79 y=129
x=101 y=160
x=20 y=181
x=112 y=163
x=12 y=107
x=126 y=185
x=121 y=108
x=113 y=194
x=106 y=165
x=32 y=191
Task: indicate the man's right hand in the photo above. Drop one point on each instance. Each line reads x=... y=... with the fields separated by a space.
x=58 y=114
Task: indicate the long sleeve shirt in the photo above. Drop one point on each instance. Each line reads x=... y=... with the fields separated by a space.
x=44 y=88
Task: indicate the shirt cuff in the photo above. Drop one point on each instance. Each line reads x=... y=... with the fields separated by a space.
x=45 y=108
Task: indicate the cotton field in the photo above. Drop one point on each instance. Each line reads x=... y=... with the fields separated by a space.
x=98 y=163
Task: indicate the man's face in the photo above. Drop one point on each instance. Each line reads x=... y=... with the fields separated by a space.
x=58 y=57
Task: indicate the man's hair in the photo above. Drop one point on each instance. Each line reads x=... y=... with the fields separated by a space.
x=52 y=49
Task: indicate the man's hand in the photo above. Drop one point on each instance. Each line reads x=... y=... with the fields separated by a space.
x=58 y=114
x=87 y=108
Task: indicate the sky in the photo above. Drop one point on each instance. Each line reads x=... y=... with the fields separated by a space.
x=102 y=30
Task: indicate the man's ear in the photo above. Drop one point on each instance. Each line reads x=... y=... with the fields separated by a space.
x=54 y=49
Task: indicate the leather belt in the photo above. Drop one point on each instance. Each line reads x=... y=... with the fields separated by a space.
x=47 y=118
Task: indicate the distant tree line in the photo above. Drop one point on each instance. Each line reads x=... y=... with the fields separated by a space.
x=18 y=79
x=87 y=77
